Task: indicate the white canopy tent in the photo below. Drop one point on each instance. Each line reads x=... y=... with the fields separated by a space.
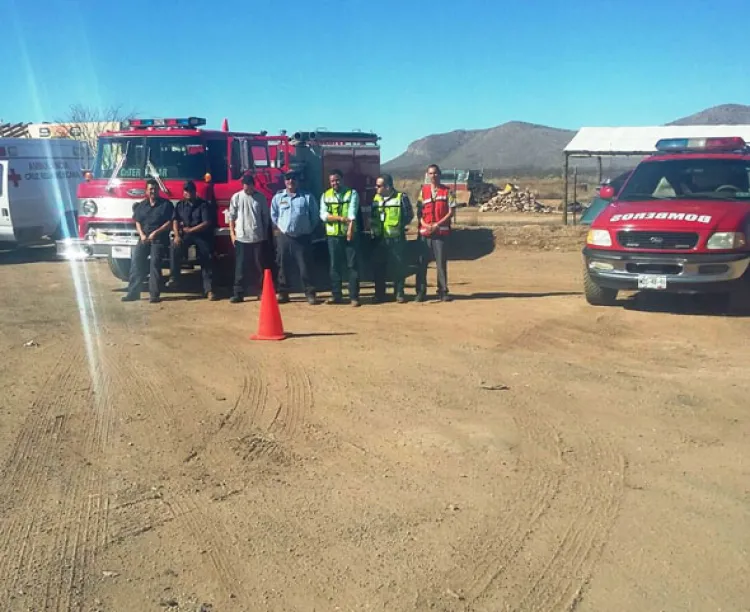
x=623 y=141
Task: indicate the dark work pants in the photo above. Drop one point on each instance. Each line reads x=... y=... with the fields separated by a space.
x=249 y=262
x=343 y=257
x=432 y=248
x=294 y=252
x=138 y=268
x=388 y=262
x=204 y=246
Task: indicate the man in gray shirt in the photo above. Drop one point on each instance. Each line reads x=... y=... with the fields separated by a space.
x=249 y=228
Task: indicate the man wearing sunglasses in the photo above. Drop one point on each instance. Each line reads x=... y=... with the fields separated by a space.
x=391 y=212
x=295 y=213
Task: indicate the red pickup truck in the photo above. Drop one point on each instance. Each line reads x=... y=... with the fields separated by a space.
x=680 y=223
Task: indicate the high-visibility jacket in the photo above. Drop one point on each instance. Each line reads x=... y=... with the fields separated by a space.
x=386 y=216
x=338 y=206
x=434 y=209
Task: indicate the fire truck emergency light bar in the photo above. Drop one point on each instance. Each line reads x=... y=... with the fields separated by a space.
x=729 y=143
x=183 y=122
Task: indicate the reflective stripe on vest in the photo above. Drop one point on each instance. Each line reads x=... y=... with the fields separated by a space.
x=338 y=207
x=434 y=210
x=386 y=216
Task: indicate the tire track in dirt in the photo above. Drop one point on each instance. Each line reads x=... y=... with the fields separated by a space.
x=540 y=464
x=213 y=539
x=600 y=479
x=259 y=419
x=241 y=423
x=27 y=469
x=581 y=480
x=82 y=524
x=191 y=509
x=299 y=402
x=244 y=433
x=136 y=515
x=588 y=494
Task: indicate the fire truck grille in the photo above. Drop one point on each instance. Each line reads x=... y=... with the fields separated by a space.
x=112 y=232
x=662 y=241
x=113 y=229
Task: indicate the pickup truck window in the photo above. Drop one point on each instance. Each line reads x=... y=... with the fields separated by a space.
x=691 y=178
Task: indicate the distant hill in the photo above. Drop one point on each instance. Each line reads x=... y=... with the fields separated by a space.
x=521 y=148
x=725 y=114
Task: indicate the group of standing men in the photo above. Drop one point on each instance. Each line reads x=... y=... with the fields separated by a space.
x=294 y=214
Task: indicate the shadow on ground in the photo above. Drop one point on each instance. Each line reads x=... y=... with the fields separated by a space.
x=705 y=305
x=36 y=253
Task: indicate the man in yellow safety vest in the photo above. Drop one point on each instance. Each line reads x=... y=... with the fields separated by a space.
x=339 y=207
x=391 y=212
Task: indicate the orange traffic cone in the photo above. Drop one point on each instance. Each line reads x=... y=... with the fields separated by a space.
x=270 y=326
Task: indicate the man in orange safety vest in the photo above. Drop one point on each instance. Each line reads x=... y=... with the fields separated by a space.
x=435 y=210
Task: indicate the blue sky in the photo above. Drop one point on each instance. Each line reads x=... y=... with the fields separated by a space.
x=403 y=69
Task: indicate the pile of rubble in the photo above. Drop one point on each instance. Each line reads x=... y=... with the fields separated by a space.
x=514 y=199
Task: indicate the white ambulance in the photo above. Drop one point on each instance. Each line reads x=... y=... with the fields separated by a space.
x=38 y=182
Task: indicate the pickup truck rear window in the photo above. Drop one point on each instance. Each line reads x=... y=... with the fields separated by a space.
x=691 y=178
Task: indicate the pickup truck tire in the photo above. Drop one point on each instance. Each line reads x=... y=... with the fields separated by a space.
x=596 y=295
x=739 y=298
x=119 y=267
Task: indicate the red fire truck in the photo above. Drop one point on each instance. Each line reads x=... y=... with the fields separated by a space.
x=680 y=223
x=174 y=150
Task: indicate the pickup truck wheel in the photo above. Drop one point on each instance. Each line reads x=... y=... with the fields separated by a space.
x=739 y=298
x=596 y=295
x=119 y=267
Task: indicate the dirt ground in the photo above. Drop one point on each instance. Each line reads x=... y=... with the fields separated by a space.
x=515 y=449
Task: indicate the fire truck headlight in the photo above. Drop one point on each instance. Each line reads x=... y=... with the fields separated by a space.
x=88 y=208
x=599 y=237
x=726 y=240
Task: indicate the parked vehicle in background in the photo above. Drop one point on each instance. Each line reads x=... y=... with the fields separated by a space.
x=38 y=183
x=681 y=223
x=173 y=150
x=468 y=186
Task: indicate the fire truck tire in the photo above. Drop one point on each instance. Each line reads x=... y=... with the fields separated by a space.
x=596 y=295
x=119 y=267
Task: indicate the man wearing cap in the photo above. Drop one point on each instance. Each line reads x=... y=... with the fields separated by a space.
x=193 y=225
x=391 y=212
x=153 y=218
x=339 y=207
x=295 y=214
x=250 y=230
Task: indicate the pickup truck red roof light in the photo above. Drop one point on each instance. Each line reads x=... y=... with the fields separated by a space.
x=717 y=143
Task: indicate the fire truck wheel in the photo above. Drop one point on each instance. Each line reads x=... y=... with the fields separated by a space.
x=119 y=267
x=596 y=295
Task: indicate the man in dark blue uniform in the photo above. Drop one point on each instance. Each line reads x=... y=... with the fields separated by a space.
x=193 y=225
x=153 y=218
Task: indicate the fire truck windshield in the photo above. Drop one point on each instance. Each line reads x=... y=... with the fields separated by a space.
x=174 y=158
x=690 y=178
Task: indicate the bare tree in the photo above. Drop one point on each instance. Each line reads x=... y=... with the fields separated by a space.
x=85 y=123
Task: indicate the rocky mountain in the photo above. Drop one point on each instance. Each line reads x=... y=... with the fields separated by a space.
x=725 y=114
x=518 y=147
